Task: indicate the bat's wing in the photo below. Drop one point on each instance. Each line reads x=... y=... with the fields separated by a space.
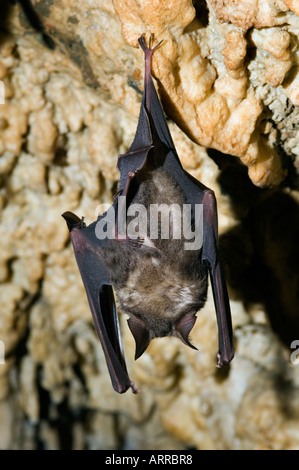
x=135 y=159
x=211 y=256
x=87 y=248
x=196 y=193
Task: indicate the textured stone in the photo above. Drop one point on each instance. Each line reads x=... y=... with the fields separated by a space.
x=227 y=74
x=203 y=71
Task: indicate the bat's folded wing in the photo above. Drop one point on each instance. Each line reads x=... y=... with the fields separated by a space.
x=211 y=255
x=95 y=277
x=136 y=157
x=152 y=134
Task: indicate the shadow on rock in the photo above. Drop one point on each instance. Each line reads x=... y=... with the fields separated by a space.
x=261 y=254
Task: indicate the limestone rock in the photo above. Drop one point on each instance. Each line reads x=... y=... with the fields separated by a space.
x=229 y=78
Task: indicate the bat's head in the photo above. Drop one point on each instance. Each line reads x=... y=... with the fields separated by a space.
x=162 y=300
x=144 y=332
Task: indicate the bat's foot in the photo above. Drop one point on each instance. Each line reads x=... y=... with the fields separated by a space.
x=149 y=49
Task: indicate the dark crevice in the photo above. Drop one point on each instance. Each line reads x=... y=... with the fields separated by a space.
x=261 y=254
x=202 y=12
x=61 y=417
x=36 y=22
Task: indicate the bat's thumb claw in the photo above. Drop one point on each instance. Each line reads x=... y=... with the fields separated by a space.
x=134 y=389
x=224 y=360
x=220 y=361
x=71 y=219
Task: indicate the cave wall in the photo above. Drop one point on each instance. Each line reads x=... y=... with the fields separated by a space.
x=228 y=80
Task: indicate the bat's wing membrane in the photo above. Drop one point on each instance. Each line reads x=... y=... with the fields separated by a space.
x=87 y=248
x=210 y=254
x=136 y=157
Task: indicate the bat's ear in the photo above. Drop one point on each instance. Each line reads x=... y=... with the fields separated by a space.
x=183 y=328
x=141 y=335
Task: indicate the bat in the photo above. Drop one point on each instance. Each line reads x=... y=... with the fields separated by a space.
x=159 y=276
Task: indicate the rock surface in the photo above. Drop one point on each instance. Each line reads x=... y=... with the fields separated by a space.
x=229 y=78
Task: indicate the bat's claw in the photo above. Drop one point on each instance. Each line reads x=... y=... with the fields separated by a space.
x=219 y=361
x=131 y=242
x=135 y=242
x=133 y=388
x=116 y=196
x=82 y=223
x=142 y=44
x=225 y=360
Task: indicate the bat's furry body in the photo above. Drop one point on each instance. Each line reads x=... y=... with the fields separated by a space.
x=158 y=281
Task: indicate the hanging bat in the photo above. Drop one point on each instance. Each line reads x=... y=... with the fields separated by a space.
x=160 y=279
